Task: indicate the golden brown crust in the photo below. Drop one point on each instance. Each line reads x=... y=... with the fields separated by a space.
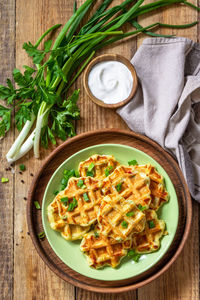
x=101 y=250
x=87 y=200
x=149 y=240
x=101 y=164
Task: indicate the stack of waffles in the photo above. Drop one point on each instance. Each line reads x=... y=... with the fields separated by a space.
x=112 y=208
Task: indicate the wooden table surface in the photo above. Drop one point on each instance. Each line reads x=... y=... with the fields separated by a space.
x=23 y=275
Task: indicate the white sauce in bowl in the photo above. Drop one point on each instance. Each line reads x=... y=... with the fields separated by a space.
x=110 y=81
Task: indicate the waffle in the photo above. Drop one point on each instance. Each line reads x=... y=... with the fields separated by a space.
x=159 y=194
x=101 y=250
x=74 y=232
x=69 y=232
x=129 y=184
x=82 y=202
x=102 y=165
x=149 y=240
x=112 y=208
x=119 y=218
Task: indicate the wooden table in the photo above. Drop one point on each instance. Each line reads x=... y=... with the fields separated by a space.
x=23 y=273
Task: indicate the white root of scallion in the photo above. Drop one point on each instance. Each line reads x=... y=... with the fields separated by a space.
x=25 y=148
x=42 y=120
x=36 y=144
x=20 y=139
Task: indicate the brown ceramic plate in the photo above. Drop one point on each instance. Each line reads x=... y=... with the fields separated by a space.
x=83 y=141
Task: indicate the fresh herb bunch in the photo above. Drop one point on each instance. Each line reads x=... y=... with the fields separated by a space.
x=39 y=100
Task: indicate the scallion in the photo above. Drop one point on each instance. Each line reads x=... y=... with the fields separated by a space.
x=85 y=197
x=142 y=208
x=72 y=205
x=37 y=205
x=124 y=224
x=90 y=173
x=96 y=234
x=133 y=255
x=119 y=187
x=41 y=235
x=91 y=167
x=108 y=170
x=4 y=180
x=130 y=214
x=64 y=200
x=151 y=224
x=22 y=167
x=132 y=162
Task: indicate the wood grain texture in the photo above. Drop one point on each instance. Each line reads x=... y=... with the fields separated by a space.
x=32 y=279
x=7 y=58
x=32 y=19
x=85 y=295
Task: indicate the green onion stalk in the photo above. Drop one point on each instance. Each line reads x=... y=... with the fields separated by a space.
x=39 y=98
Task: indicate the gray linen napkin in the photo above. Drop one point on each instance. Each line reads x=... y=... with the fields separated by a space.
x=166 y=107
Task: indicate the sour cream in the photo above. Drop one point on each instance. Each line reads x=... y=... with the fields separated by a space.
x=110 y=81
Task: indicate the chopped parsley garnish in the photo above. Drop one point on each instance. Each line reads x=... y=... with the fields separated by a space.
x=141 y=207
x=132 y=162
x=64 y=200
x=108 y=170
x=22 y=167
x=63 y=217
x=85 y=196
x=37 y=205
x=80 y=183
x=119 y=186
x=90 y=173
x=72 y=205
x=151 y=224
x=41 y=235
x=130 y=214
x=135 y=256
x=3 y=180
x=124 y=224
x=55 y=192
x=91 y=167
x=96 y=234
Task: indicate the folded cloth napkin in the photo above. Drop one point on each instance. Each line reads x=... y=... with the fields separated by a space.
x=166 y=107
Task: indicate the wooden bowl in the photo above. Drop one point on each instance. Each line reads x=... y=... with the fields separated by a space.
x=110 y=57
x=80 y=142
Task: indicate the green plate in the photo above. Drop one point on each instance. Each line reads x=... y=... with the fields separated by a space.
x=70 y=253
